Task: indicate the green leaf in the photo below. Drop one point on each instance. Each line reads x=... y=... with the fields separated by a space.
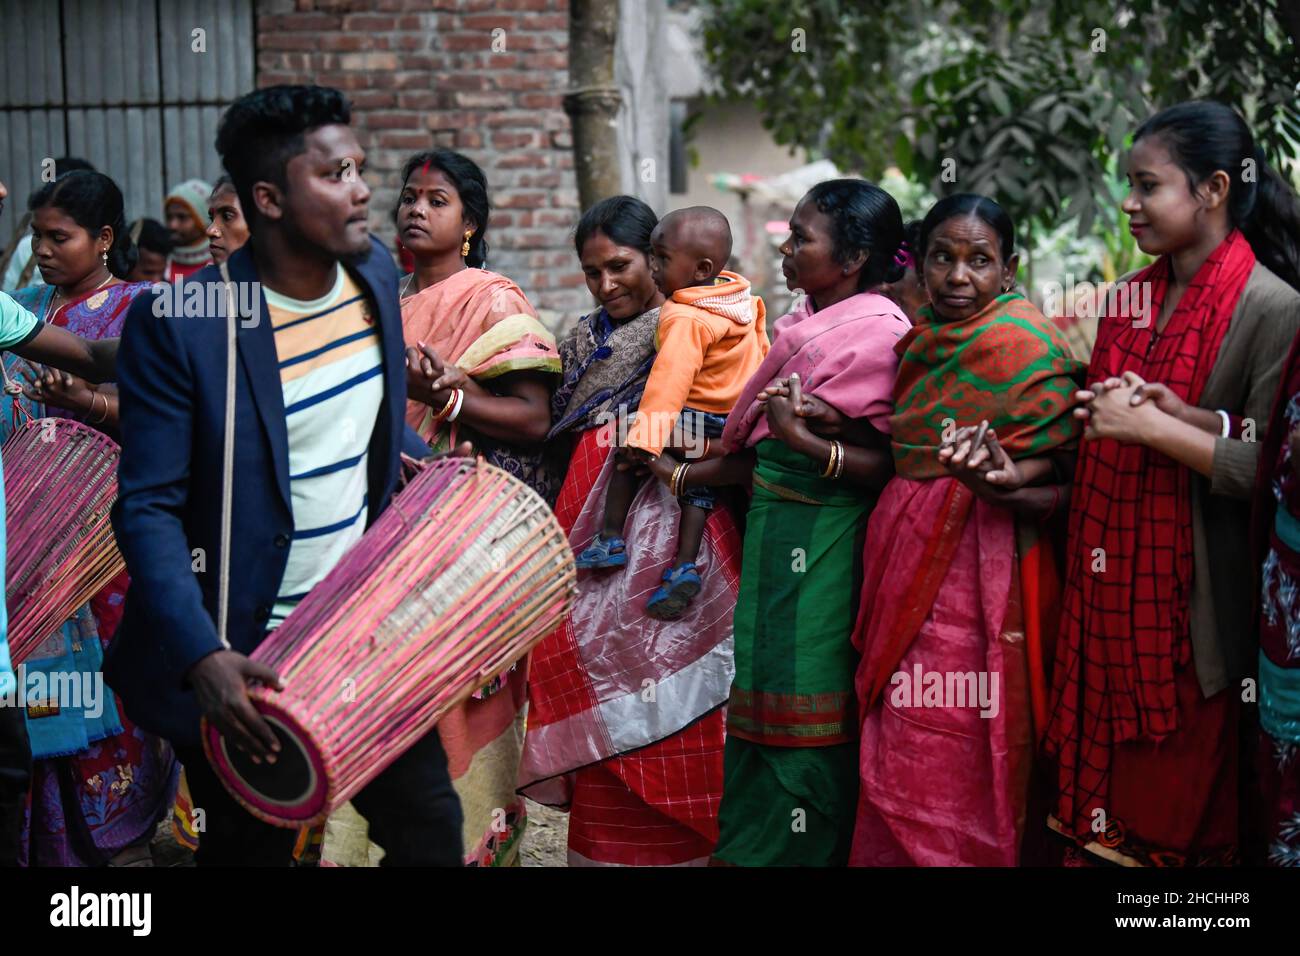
x=998 y=97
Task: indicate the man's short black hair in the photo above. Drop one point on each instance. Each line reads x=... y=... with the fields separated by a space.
x=265 y=129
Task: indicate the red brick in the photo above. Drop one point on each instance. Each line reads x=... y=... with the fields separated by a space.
x=469 y=139
x=287 y=41
x=447 y=119
x=490 y=22
x=309 y=22
x=465 y=41
x=542 y=101
x=515 y=140
x=461 y=81
x=544 y=21
x=403 y=140
x=378 y=120
x=544 y=61
x=521 y=161
x=549 y=217
x=430 y=61
x=419 y=100
x=346 y=81
x=483 y=101
x=547 y=180
x=374 y=99
x=345 y=41
x=369 y=61
x=526 y=81
x=513 y=118
x=531 y=240
x=520 y=200
x=371 y=23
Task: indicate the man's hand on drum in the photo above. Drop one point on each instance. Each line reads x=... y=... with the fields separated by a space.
x=221 y=681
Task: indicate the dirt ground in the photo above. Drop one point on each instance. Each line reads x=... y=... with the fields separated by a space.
x=544 y=844
x=546 y=838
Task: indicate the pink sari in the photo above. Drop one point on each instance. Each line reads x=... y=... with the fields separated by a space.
x=976 y=818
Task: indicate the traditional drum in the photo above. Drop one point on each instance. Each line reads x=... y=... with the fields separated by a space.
x=60 y=484
x=458 y=579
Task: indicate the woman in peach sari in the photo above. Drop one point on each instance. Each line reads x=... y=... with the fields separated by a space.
x=481 y=369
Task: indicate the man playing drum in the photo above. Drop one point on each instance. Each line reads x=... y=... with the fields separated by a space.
x=319 y=403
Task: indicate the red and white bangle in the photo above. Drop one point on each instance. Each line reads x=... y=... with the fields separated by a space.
x=455 y=409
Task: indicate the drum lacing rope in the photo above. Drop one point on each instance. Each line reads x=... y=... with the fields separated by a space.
x=21 y=415
x=227 y=461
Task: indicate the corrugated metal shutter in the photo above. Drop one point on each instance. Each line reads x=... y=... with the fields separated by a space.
x=119 y=84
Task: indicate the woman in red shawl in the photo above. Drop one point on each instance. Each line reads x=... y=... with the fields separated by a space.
x=1155 y=655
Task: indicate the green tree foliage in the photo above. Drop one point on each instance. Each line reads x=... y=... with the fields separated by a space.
x=1030 y=101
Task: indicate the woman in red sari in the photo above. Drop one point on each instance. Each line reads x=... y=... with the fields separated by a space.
x=1156 y=652
x=625 y=728
x=100 y=785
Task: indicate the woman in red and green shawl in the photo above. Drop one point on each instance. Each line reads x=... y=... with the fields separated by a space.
x=958 y=585
x=1157 y=652
x=100 y=784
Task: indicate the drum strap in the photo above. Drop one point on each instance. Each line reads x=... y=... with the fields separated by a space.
x=227 y=460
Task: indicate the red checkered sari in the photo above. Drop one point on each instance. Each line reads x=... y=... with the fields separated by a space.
x=625 y=726
x=1124 y=630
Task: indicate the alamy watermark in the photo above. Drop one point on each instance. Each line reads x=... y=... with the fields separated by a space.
x=197 y=300
x=946 y=689
x=44 y=694
x=664 y=429
x=1085 y=300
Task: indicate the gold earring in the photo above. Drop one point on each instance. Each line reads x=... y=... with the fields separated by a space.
x=464 y=249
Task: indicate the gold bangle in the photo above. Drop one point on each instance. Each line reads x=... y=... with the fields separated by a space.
x=451 y=400
x=839 y=464
x=104 y=417
x=830 y=464
x=681 y=481
x=672 y=482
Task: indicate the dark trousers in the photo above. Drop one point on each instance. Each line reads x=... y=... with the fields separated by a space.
x=413 y=812
x=15 y=778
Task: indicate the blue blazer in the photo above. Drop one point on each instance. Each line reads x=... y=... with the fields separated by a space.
x=171 y=374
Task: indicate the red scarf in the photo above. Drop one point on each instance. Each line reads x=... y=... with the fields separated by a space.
x=1124 y=629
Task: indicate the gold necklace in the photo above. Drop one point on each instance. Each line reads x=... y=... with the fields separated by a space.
x=51 y=311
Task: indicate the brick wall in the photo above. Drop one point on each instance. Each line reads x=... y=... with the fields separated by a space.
x=423 y=73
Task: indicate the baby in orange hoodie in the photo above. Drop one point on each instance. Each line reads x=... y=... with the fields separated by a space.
x=711 y=339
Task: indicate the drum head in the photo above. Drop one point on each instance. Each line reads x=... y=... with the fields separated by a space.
x=293 y=791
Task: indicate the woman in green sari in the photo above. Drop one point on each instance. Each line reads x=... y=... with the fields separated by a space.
x=810 y=435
